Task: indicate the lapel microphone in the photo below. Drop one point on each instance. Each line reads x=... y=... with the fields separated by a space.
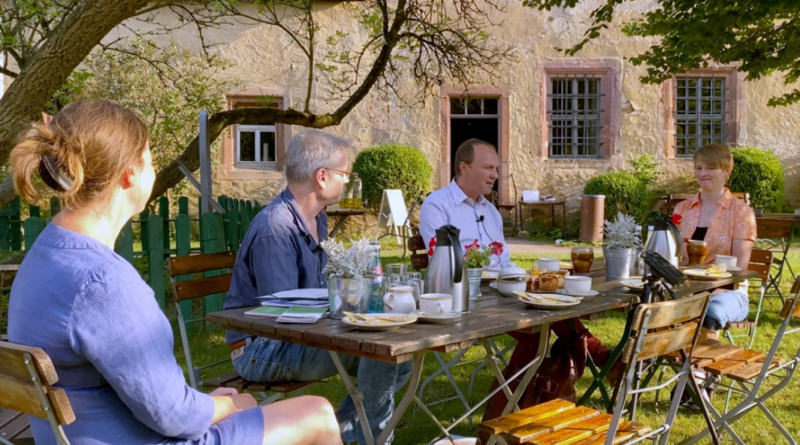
x=479 y=220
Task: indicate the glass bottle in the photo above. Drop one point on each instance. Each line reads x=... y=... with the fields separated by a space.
x=376 y=270
x=355 y=193
x=637 y=265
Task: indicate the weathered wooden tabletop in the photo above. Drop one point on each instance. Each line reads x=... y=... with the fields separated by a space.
x=492 y=314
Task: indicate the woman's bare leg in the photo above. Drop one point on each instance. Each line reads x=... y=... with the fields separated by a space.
x=306 y=420
x=707 y=334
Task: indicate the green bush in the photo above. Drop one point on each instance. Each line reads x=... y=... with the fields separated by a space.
x=759 y=173
x=392 y=166
x=621 y=187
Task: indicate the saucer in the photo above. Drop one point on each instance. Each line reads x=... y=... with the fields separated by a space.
x=734 y=269
x=447 y=318
x=591 y=293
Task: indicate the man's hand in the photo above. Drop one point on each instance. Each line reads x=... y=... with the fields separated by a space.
x=228 y=401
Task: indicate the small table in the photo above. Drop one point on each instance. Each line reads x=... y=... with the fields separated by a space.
x=342 y=214
x=551 y=204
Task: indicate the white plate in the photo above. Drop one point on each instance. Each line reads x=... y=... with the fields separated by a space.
x=448 y=318
x=493 y=284
x=379 y=327
x=633 y=283
x=591 y=293
x=700 y=274
x=734 y=269
x=547 y=304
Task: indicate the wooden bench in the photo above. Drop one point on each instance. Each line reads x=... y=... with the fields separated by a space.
x=419 y=261
x=27 y=377
x=216 y=268
x=656 y=329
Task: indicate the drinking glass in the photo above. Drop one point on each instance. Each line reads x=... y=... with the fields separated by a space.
x=697 y=251
x=396 y=269
x=582 y=259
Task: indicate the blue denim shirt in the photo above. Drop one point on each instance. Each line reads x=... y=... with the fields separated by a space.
x=112 y=347
x=278 y=253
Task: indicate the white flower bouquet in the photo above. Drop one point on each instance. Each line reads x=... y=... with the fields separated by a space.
x=621 y=234
x=347 y=263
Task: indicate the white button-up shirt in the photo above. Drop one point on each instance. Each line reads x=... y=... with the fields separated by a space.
x=451 y=206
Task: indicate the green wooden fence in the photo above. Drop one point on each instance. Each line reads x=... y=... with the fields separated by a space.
x=156 y=237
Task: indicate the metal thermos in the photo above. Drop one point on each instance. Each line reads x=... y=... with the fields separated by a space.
x=665 y=240
x=447 y=272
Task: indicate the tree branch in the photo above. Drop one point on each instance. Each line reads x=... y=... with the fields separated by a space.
x=8 y=72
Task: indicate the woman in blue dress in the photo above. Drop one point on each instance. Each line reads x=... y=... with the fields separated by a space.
x=89 y=309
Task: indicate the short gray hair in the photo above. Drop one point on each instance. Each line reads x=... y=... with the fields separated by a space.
x=310 y=151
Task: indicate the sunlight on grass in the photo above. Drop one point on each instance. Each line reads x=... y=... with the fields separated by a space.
x=208 y=345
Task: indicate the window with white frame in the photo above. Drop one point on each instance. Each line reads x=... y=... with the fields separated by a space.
x=256 y=144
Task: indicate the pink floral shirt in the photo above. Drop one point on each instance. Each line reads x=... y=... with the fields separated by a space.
x=733 y=220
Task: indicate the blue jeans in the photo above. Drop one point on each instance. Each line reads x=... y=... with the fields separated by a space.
x=724 y=307
x=266 y=360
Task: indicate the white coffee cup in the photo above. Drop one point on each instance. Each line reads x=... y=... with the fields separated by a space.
x=729 y=261
x=436 y=305
x=576 y=285
x=549 y=264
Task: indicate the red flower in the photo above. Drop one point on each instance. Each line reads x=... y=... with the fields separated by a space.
x=676 y=219
x=431 y=245
x=474 y=245
x=497 y=248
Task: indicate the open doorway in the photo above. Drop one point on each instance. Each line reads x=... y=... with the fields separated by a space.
x=473 y=118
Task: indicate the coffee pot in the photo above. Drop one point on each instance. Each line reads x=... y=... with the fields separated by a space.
x=447 y=273
x=665 y=240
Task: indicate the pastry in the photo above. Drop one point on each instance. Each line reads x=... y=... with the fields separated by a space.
x=548 y=282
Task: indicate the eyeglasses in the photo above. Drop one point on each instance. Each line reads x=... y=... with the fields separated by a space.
x=345 y=174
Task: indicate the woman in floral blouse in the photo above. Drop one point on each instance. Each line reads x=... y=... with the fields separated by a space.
x=723 y=221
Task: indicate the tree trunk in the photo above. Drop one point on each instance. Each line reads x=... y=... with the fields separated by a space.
x=52 y=64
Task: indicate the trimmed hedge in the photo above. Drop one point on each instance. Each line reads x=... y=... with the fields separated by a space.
x=392 y=166
x=759 y=173
x=621 y=187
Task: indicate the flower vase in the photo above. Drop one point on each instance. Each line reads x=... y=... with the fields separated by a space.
x=474 y=276
x=348 y=295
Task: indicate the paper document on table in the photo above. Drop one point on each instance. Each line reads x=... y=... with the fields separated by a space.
x=298 y=294
x=299 y=314
x=290 y=303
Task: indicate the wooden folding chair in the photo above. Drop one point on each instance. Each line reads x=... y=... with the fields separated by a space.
x=667 y=203
x=657 y=329
x=747 y=371
x=774 y=234
x=27 y=376
x=761 y=262
x=217 y=270
x=419 y=260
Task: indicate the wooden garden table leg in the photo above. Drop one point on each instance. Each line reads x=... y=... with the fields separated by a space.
x=338 y=226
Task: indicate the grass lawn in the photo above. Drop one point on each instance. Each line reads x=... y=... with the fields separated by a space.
x=416 y=428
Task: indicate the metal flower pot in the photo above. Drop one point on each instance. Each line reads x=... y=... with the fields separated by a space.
x=618 y=262
x=474 y=276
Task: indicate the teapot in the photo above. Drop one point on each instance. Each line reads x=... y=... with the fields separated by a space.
x=400 y=299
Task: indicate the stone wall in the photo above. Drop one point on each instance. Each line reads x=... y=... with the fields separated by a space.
x=263 y=57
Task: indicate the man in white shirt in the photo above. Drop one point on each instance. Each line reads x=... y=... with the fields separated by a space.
x=463 y=205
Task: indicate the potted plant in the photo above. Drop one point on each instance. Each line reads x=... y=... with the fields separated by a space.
x=349 y=278
x=475 y=259
x=620 y=241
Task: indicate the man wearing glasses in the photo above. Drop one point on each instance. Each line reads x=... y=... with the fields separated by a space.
x=281 y=251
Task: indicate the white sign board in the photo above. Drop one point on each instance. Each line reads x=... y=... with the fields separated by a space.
x=393 y=214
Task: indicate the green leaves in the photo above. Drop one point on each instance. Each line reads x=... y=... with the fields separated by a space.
x=760 y=173
x=393 y=166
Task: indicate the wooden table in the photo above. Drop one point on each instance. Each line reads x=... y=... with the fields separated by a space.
x=551 y=204
x=489 y=316
x=343 y=214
